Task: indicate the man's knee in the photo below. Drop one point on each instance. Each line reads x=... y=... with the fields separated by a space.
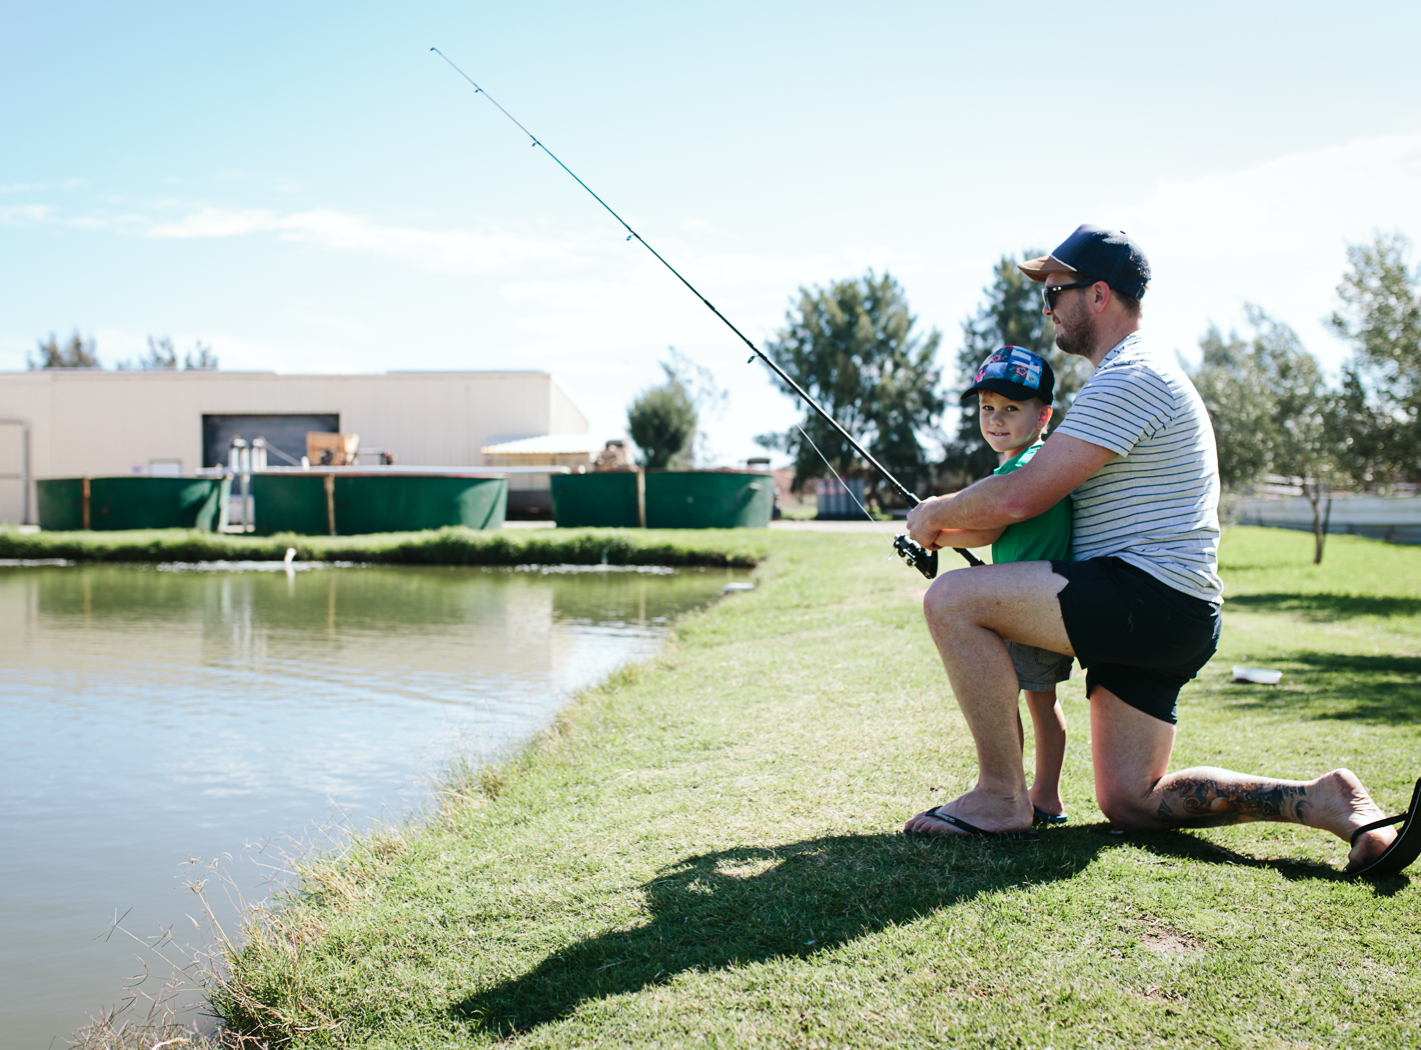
x=1126 y=809
x=944 y=597
x=951 y=604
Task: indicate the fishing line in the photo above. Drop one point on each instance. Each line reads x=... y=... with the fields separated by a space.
x=842 y=483
x=923 y=560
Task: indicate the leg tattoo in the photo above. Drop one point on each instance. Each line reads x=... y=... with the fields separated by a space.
x=1203 y=801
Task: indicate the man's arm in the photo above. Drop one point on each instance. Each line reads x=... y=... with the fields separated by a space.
x=1004 y=499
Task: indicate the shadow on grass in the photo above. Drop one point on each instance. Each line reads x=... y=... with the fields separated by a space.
x=1180 y=845
x=748 y=905
x=1381 y=689
x=1327 y=606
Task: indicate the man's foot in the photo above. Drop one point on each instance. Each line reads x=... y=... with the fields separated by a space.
x=990 y=814
x=1340 y=804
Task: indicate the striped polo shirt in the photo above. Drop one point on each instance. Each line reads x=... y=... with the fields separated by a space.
x=1156 y=504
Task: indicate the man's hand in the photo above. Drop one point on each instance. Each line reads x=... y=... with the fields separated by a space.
x=921 y=529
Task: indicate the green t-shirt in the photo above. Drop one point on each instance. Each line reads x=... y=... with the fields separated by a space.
x=1046 y=537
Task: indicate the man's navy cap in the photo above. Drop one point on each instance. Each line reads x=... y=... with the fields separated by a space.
x=1015 y=373
x=1099 y=254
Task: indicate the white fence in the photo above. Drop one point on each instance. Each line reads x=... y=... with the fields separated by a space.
x=1393 y=518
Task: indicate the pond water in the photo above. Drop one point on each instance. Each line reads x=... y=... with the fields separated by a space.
x=157 y=716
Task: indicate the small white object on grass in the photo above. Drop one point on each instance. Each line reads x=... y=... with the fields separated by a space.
x=732 y=588
x=290 y=555
x=1257 y=675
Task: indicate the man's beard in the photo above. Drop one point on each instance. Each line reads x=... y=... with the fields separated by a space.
x=1079 y=339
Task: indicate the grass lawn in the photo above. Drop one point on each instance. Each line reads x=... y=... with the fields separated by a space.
x=705 y=850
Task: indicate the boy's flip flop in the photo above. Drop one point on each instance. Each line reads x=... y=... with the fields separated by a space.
x=1404 y=849
x=1042 y=817
x=972 y=831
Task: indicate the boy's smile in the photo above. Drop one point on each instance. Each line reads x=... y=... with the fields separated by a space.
x=1008 y=425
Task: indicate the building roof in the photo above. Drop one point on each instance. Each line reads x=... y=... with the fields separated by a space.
x=547 y=445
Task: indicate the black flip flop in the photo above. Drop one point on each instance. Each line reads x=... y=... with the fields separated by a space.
x=1042 y=817
x=972 y=831
x=1404 y=849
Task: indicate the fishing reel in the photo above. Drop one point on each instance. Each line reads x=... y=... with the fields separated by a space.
x=920 y=558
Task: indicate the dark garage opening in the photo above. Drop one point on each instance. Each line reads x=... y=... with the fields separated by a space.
x=285 y=432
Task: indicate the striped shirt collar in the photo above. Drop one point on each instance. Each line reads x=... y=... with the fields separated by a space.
x=1129 y=340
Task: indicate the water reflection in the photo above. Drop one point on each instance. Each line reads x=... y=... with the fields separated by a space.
x=151 y=715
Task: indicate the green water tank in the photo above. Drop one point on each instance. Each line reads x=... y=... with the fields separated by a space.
x=110 y=504
x=290 y=503
x=317 y=503
x=606 y=499
x=708 y=499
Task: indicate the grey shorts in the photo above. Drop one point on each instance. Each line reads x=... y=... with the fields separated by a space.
x=1038 y=669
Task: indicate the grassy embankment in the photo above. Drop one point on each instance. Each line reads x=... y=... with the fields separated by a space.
x=452 y=546
x=705 y=850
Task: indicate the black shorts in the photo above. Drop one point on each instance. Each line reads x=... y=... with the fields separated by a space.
x=1135 y=635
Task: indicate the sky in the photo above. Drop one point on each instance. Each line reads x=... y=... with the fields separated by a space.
x=308 y=189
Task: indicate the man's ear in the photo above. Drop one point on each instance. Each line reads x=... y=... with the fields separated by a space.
x=1100 y=296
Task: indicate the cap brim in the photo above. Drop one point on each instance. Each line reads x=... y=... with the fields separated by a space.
x=1009 y=390
x=1040 y=269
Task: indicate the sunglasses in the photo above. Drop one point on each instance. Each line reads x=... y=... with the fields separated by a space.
x=1049 y=295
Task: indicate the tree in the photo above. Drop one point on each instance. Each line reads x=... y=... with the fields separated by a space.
x=200 y=358
x=1272 y=412
x=75 y=354
x=1363 y=435
x=162 y=356
x=852 y=347
x=662 y=421
x=1230 y=380
x=1010 y=315
x=707 y=398
x=1381 y=317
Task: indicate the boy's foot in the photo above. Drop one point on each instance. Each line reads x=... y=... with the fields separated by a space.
x=1049 y=818
x=1048 y=805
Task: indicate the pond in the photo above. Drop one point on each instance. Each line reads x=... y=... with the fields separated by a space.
x=158 y=717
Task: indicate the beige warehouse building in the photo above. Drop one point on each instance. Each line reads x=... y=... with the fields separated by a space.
x=78 y=422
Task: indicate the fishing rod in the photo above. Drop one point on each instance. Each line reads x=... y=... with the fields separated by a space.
x=920 y=558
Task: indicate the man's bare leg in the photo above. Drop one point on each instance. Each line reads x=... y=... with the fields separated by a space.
x=969 y=612
x=1131 y=749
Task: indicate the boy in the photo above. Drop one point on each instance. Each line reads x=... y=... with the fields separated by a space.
x=1014 y=389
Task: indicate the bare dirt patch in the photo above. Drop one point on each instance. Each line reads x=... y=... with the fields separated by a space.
x=1163 y=939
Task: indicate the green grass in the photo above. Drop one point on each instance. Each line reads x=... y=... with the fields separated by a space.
x=704 y=850
x=733 y=548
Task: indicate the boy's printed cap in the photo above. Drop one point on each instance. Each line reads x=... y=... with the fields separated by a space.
x=1015 y=373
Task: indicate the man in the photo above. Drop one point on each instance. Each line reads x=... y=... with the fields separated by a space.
x=1138 y=605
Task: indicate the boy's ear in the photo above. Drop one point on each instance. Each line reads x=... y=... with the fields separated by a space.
x=1045 y=416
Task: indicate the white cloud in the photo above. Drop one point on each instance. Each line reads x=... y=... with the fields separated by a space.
x=1274 y=234
x=457 y=251
x=218 y=222
x=16 y=214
